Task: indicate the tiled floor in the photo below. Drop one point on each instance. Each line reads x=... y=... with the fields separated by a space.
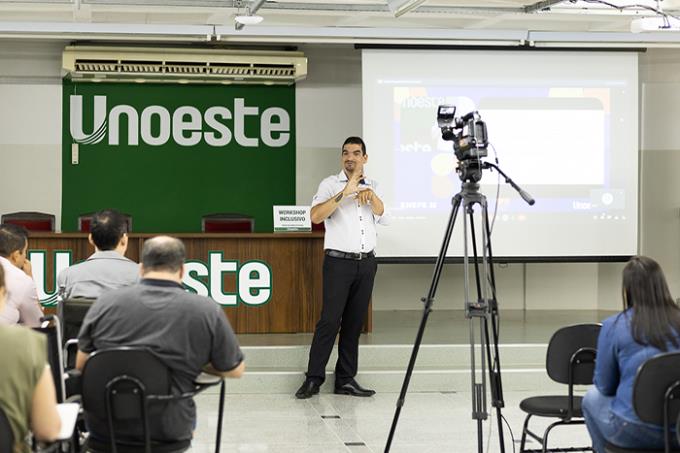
x=429 y=422
x=447 y=327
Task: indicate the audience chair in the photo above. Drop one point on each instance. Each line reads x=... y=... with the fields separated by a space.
x=123 y=389
x=6 y=434
x=32 y=221
x=656 y=398
x=227 y=223
x=51 y=329
x=72 y=312
x=85 y=222
x=570 y=360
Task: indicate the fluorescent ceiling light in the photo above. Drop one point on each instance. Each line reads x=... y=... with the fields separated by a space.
x=248 y=19
x=401 y=7
x=656 y=23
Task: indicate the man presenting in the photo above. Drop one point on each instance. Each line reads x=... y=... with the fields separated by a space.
x=348 y=205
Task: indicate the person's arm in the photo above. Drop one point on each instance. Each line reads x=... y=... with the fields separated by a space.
x=607 y=375
x=29 y=308
x=226 y=358
x=45 y=421
x=81 y=358
x=321 y=211
x=233 y=373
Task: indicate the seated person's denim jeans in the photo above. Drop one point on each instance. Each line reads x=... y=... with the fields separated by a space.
x=605 y=426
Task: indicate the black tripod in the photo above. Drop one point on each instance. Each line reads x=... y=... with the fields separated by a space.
x=484 y=308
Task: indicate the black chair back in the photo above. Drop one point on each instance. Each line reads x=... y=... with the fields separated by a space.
x=52 y=330
x=115 y=385
x=73 y=312
x=658 y=381
x=6 y=434
x=571 y=349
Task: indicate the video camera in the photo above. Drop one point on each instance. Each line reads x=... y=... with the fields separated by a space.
x=468 y=133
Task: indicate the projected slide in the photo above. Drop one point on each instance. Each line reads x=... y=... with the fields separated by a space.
x=563 y=126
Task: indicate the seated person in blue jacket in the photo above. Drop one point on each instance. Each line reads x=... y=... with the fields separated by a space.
x=649 y=325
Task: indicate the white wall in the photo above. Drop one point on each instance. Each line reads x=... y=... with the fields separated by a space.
x=30 y=122
x=328 y=110
x=660 y=161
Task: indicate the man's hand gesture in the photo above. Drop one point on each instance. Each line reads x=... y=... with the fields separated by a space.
x=365 y=196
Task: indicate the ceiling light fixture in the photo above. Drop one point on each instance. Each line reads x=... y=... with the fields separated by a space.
x=656 y=23
x=248 y=19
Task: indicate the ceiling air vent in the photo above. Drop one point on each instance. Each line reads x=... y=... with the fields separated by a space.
x=130 y=64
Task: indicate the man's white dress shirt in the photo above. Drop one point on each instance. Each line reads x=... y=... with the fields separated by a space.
x=350 y=228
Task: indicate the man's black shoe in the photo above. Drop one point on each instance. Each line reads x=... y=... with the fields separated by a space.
x=354 y=389
x=307 y=389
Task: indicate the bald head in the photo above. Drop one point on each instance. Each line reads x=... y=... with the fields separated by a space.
x=163 y=254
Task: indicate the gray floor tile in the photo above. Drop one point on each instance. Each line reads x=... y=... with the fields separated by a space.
x=429 y=422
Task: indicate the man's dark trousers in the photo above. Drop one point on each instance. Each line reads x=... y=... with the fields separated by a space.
x=347 y=287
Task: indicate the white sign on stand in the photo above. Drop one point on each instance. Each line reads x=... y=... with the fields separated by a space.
x=292 y=218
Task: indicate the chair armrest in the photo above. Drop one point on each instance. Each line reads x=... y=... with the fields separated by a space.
x=73 y=379
x=68 y=412
x=206 y=380
x=70 y=350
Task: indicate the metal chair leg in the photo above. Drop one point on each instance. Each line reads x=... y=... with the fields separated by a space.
x=524 y=433
x=220 y=417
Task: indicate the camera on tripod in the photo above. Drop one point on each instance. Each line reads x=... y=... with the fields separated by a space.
x=468 y=133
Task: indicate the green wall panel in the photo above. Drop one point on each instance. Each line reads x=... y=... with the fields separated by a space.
x=166 y=185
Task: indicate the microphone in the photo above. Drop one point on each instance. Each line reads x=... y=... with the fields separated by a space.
x=526 y=197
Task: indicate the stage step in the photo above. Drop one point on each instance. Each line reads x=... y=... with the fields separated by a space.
x=439 y=368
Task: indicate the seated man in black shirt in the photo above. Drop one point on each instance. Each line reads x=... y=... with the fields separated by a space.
x=188 y=332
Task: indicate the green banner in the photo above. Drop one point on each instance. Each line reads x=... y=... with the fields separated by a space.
x=169 y=154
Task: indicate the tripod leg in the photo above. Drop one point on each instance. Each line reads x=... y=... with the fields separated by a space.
x=494 y=359
x=426 y=312
x=473 y=310
x=487 y=309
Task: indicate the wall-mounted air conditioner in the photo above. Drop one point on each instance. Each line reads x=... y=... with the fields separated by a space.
x=177 y=65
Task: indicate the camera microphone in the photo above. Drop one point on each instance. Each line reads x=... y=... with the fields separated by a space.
x=526 y=197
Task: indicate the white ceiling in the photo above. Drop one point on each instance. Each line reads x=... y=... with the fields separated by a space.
x=435 y=21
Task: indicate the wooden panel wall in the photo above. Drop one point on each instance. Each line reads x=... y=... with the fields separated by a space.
x=295 y=260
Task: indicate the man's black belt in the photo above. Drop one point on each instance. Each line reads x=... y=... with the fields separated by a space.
x=349 y=255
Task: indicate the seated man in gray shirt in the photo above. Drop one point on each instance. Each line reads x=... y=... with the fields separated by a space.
x=107 y=268
x=187 y=332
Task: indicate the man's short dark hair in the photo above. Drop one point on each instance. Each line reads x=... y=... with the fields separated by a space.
x=107 y=229
x=355 y=141
x=12 y=238
x=163 y=253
